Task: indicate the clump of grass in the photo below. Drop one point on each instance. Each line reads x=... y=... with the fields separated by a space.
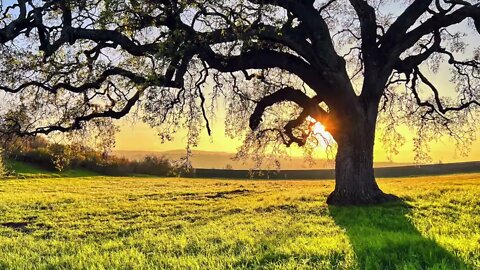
x=140 y=223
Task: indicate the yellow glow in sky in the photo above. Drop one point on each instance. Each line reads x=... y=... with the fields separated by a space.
x=140 y=137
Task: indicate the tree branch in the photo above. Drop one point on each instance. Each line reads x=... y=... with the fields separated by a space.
x=287 y=94
x=435 y=23
x=406 y=20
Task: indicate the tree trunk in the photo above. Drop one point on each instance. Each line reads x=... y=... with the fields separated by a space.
x=354 y=176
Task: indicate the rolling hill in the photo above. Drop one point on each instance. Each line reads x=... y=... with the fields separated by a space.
x=222 y=160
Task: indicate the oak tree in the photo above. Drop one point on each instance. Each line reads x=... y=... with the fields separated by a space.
x=279 y=65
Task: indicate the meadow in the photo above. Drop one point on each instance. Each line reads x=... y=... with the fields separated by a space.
x=174 y=223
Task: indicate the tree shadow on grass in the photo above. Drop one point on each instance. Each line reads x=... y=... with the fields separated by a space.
x=383 y=237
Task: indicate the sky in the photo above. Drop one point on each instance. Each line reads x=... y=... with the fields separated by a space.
x=140 y=137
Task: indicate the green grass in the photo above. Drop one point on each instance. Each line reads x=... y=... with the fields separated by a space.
x=151 y=223
x=28 y=170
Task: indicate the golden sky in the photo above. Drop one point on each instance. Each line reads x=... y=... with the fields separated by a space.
x=140 y=137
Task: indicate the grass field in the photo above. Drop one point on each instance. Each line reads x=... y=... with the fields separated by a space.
x=150 y=223
x=28 y=170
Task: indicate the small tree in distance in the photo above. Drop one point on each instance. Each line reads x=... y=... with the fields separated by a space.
x=281 y=66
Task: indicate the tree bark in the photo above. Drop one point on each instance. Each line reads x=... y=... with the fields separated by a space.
x=354 y=175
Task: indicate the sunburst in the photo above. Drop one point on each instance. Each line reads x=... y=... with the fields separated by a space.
x=320 y=134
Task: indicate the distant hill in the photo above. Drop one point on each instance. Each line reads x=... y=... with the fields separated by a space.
x=220 y=160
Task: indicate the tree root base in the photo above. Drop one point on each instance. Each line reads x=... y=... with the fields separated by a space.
x=345 y=199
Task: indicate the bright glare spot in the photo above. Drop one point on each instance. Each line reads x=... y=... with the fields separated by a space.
x=318 y=128
x=323 y=137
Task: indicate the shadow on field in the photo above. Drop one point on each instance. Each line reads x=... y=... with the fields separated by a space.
x=383 y=237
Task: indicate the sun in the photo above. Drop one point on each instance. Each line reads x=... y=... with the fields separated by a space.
x=318 y=128
x=319 y=132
